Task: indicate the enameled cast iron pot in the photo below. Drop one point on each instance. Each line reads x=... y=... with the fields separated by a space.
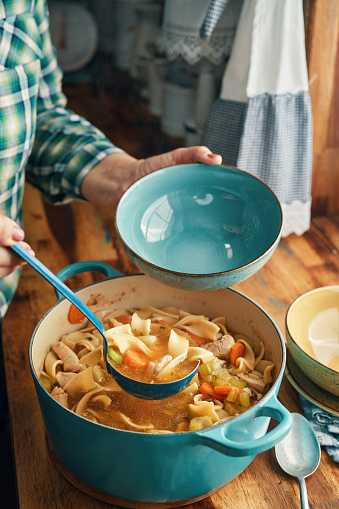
x=148 y=468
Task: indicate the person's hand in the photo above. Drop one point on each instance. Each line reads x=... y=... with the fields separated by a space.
x=107 y=181
x=10 y=233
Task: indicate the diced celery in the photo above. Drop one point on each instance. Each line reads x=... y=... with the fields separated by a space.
x=223 y=373
x=46 y=382
x=230 y=408
x=223 y=381
x=200 y=422
x=244 y=399
x=232 y=396
x=223 y=377
x=208 y=367
x=208 y=378
x=241 y=384
x=115 y=356
x=216 y=372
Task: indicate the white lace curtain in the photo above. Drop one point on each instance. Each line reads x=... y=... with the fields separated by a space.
x=182 y=24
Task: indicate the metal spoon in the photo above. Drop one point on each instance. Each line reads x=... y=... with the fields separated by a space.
x=299 y=453
x=139 y=389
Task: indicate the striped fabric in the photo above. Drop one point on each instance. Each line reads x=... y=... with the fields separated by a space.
x=40 y=139
x=224 y=128
x=214 y=11
x=262 y=121
x=325 y=425
x=280 y=153
x=270 y=137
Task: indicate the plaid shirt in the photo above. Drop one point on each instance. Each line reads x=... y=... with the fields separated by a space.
x=40 y=139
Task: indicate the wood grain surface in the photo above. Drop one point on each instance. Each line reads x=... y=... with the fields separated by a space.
x=299 y=264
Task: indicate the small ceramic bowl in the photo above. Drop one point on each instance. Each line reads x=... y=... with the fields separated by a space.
x=312 y=335
x=199 y=227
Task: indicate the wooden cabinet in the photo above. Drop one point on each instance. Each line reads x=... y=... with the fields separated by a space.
x=322 y=50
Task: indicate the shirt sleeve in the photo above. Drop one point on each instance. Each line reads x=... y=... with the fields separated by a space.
x=66 y=146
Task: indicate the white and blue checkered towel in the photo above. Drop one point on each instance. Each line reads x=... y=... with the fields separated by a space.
x=214 y=12
x=262 y=119
x=325 y=425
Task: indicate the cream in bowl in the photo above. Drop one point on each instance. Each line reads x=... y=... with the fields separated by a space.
x=312 y=334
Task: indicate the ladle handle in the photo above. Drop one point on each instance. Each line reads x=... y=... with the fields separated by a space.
x=58 y=285
x=303 y=493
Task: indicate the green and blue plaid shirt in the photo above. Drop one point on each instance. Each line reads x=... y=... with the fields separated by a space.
x=40 y=139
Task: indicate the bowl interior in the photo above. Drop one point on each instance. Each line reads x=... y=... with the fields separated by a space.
x=199 y=219
x=313 y=324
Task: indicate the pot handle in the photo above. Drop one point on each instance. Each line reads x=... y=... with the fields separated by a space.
x=87 y=266
x=275 y=410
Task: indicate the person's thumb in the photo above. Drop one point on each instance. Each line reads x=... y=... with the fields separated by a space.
x=10 y=231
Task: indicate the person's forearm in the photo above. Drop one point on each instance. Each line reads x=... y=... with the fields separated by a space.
x=109 y=179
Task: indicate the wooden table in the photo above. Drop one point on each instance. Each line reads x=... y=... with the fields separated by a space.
x=81 y=231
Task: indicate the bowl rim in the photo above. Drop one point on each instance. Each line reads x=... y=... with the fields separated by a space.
x=207 y=274
x=288 y=332
x=160 y=436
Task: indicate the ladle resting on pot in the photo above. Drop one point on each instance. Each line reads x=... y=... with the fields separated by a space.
x=136 y=388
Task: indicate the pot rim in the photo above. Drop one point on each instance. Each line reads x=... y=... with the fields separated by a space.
x=240 y=417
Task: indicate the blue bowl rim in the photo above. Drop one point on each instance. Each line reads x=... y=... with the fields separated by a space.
x=210 y=274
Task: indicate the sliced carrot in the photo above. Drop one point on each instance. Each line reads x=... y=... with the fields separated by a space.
x=135 y=359
x=198 y=339
x=75 y=315
x=224 y=390
x=207 y=390
x=236 y=352
x=124 y=319
x=162 y=322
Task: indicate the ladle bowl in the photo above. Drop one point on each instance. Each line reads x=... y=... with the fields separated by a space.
x=136 y=388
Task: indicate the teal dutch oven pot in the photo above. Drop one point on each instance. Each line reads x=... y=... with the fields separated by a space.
x=149 y=468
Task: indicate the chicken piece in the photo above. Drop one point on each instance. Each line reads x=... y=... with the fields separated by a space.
x=154 y=368
x=255 y=380
x=60 y=396
x=69 y=358
x=221 y=348
x=63 y=378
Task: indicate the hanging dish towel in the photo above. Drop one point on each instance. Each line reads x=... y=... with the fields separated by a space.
x=325 y=426
x=262 y=121
x=214 y=12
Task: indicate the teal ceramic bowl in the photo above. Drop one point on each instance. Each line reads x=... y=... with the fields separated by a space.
x=199 y=227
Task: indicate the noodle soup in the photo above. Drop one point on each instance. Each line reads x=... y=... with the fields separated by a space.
x=151 y=352
x=233 y=375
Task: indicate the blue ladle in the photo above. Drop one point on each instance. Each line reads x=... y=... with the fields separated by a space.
x=139 y=389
